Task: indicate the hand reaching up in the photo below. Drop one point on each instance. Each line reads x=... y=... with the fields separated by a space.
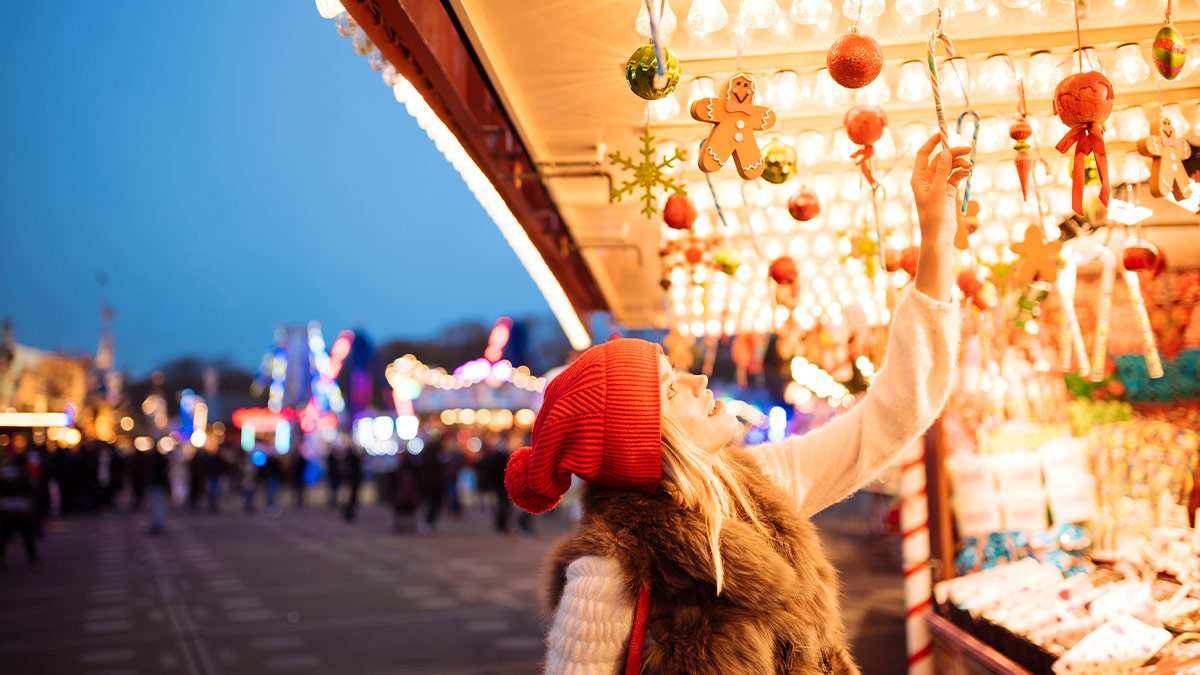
x=934 y=181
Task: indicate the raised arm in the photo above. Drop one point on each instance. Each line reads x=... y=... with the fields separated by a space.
x=830 y=463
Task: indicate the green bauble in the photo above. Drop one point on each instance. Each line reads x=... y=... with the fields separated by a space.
x=780 y=162
x=642 y=70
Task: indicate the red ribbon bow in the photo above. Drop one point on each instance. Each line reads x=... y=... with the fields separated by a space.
x=1088 y=139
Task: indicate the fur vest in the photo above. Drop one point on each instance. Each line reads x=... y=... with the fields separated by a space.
x=778 y=611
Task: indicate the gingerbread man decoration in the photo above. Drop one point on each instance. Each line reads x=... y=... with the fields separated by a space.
x=735 y=118
x=968 y=224
x=1039 y=258
x=1167 y=153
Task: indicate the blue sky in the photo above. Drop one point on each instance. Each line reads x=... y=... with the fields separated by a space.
x=229 y=166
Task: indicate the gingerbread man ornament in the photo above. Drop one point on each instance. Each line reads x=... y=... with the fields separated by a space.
x=735 y=118
x=1039 y=258
x=968 y=223
x=1167 y=154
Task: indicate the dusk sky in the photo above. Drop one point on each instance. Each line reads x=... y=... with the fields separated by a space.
x=228 y=166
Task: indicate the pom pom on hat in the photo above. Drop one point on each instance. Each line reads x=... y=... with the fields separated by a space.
x=516 y=481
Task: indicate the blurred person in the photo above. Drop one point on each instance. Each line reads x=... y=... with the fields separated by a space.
x=137 y=477
x=407 y=495
x=214 y=468
x=433 y=481
x=87 y=467
x=354 y=476
x=197 y=472
x=271 y=474
x=334 y=470
x=16 y=505
x=158 y=484
x=296 y=469
x=248 y=481
x=489 y=472
x=706 y=547
x=453 y=462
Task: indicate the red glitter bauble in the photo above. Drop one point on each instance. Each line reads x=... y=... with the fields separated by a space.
x=865 y=123
x=679 y=212
x=1140 y=257
x=804 y=205
x=783 y=270
x=854 y=60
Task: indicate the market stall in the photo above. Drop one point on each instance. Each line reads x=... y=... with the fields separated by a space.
x=737 y=170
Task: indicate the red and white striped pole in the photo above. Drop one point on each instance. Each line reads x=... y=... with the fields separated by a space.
x=914 y=552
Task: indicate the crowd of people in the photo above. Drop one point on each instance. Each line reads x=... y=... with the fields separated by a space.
x=41 y=480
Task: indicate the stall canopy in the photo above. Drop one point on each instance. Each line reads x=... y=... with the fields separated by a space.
x=536 y=94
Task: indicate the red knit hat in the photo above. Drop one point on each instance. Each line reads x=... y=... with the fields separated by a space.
x=600 y=421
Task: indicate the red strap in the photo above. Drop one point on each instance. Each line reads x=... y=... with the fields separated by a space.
x=637 y=637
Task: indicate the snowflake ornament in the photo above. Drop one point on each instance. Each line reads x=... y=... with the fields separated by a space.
x=647 y=174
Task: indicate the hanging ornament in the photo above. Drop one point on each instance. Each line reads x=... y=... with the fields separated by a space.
x=735 y=118
x=804 y=205
x=1167 y=154
x=864 y=125
x=968 y=224
x=1153 y=362
x=1020 y=131
x=978 y=289
x=1169 y=51
x=679 y=213
x=783 y=270
x=891 y=259
x=966 y=221
x=1039 y=258
x=647 y=174
x=1140 y=255
x=780 y=161
x=854 y=59
x=1083 y=102
x=642 y=70
x=728 y=260
x=908 y=260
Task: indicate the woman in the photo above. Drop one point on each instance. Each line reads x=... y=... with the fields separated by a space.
x=704 y=552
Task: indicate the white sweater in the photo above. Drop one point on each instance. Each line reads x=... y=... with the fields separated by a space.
x=592 y=623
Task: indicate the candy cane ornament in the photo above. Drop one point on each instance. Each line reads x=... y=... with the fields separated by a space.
x=964 y=215
x=938 y=36
x=1153 y=362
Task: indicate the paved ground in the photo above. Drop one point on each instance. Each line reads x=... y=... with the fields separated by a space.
x=307 y=593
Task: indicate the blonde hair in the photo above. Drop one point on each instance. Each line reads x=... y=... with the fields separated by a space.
x=704 y=482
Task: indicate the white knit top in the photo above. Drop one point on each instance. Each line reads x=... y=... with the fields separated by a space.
x=591 y=626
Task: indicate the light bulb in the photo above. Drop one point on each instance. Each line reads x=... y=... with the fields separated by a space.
x=1090 y=61
x=330 y=8
x=864 y=10
x=702 y=87
x=913 y=83
x=759 y=14
x=666 y=21
x=829 y=93
x=1192 y=64
x=914 y=8
x=1174 y=112
x=664 y=108
x=885 y=147
x=912 y=136
x=876 y=93
x=1130 y=67
x=993 y=135
x=1044 y=74
x=1019 y=4
x=1131 y=125
x=998 y=78
x=955 y=79
x=787 y=92
x=810 y=147
x=966 y=5
x=707 y=16
x=1133 y=169
x=810 y=12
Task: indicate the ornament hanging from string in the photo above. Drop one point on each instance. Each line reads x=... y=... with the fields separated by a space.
x=1020 y=131
x=931 y=66
x=1083 y=102
x=1169 y=49
x=967 y=217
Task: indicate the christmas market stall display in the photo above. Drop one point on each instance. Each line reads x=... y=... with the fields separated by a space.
x=733 y=172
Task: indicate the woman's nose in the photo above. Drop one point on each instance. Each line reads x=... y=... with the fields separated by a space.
x=701 y=382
